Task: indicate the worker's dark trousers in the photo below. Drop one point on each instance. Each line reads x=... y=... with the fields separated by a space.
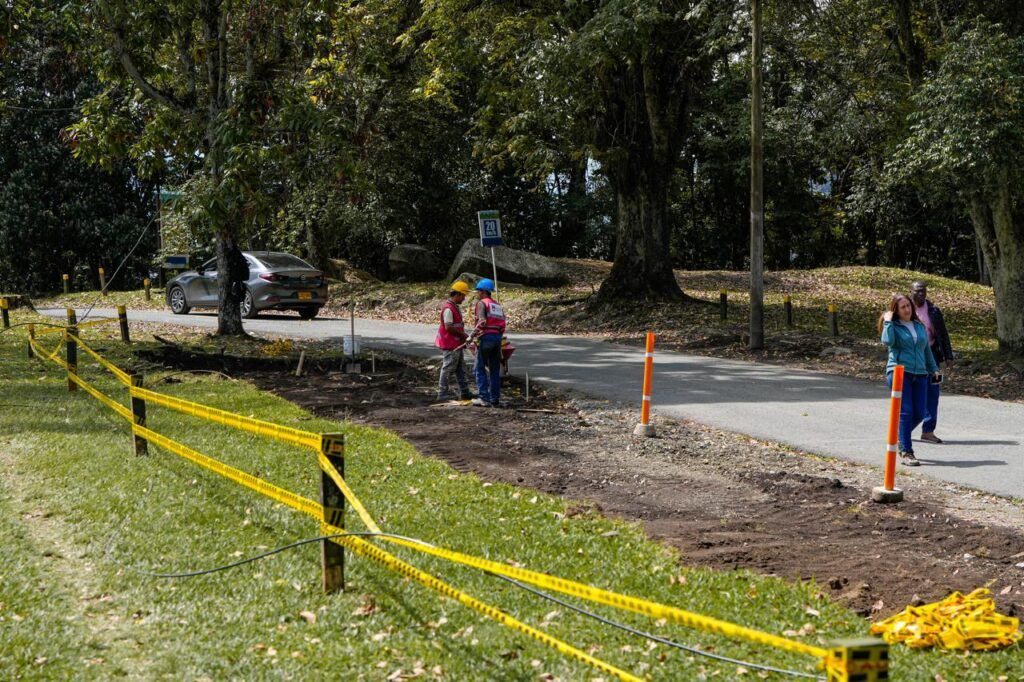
x=488 y=368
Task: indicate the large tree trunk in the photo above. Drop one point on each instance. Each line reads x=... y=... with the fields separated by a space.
x=1001 y=235
x=643 y=264
x=232 y=273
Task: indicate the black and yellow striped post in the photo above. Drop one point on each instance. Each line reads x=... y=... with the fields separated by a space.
x=332 y=555
x=833 y=319
x=103 y=281
x=723 y=304
x=67 y=283
x=31 y=340
x=71 y=346
x=788 y=302
x=4 y=305
x=145 y=285
x=122 y=317
x=139 y=416
x=858 y=660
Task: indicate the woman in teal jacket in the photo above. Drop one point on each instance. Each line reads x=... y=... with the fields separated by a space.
x=907 y=340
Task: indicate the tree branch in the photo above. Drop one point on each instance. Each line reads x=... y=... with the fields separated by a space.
x=120 y=49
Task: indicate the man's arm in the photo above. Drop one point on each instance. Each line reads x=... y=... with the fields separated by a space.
x=941 y=333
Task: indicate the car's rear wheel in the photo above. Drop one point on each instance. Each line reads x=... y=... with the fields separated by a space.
x=179 y=304
x=249 y=306
x=308 y=313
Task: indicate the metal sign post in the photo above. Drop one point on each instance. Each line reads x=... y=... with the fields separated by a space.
x=490 y=235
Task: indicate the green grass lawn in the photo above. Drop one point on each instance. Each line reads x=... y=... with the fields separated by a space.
x=80 y=512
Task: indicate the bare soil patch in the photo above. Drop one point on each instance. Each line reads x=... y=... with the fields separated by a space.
x=725 y=501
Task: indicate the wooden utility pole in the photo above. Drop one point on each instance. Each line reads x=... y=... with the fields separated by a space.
x=756 y=184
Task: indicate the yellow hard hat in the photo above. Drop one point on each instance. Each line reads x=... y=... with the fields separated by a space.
x=460 y=287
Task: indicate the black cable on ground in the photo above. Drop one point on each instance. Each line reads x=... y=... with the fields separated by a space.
x=119 y=266
x=264 y=555
x=528 y=588
x=653 y=637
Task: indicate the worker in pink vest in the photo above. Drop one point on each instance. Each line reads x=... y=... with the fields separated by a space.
x=451 y=339
x=490 y=327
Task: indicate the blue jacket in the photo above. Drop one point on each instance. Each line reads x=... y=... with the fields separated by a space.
x=915 y=356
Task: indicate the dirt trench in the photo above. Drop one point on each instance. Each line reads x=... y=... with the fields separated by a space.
x=725 y=501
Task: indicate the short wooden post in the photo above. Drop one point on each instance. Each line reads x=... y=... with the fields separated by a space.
x=723 y=304
x=71 y=346
x=145 y=285
x=332 y=555
x=833 y=318
x=31 y=338
x=139 y=416
x=4 y=305
x=788 y=301
x=67 y=283
x=103 y=282
x=122 y=316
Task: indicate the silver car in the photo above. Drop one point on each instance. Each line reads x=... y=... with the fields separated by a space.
x=277 y=281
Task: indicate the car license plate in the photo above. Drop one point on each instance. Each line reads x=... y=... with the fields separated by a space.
x=305 y=295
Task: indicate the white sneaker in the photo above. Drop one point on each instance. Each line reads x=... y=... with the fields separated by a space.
x=479 y=402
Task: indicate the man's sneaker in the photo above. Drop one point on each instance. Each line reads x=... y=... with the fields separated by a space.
x=480 y=402
x=908 y=459
x=930 y=437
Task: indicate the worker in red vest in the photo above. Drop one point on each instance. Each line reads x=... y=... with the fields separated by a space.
x=490 y=327
x=451 y=339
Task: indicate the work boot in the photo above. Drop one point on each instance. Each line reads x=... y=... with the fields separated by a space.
x=930 y=437
x=445 y=396
x=908 y=459
x=466 y=395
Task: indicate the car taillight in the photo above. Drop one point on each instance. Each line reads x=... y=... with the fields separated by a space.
x=271 y=277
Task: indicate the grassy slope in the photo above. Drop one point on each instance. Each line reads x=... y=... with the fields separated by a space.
x=76 y=505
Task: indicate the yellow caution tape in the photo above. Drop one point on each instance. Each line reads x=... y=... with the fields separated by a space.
x=109 y=402
x=285 y=434
x=363 y=548
x=260 y=485
x=619 y=601
x=52 y=357
x=80 y=325
x=121 y=375
x=957 y=622
x=368 y=521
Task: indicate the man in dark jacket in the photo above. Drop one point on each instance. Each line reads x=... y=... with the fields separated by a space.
x=938 y=338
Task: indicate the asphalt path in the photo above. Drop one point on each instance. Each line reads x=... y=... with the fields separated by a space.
x=819 y=413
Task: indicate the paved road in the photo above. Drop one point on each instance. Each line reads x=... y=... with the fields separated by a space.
x=815 y=412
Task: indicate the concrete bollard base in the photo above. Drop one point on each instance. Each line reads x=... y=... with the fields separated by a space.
x=645 y=430
x=885 y=496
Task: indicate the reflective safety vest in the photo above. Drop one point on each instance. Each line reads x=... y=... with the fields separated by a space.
x=447 y=340
x=494 y=319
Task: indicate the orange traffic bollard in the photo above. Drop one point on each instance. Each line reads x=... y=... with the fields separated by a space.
x=645 y=427
x=889 y=492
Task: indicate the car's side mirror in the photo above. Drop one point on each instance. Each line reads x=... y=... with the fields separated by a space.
x=199 y=270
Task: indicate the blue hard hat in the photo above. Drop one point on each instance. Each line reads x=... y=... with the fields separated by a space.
x=485 y=285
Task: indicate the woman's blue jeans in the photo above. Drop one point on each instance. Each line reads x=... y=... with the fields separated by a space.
x=914 y=407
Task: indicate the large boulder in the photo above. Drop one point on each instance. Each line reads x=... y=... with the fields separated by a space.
x=521 y=267
x=412 y=263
